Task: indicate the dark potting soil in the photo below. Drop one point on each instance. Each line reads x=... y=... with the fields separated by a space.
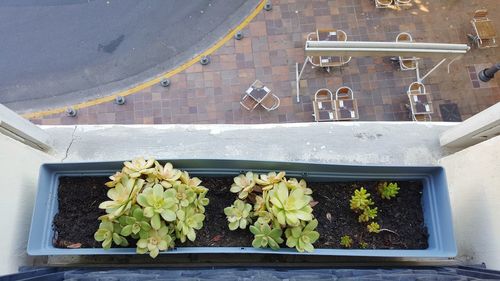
x=79 y=198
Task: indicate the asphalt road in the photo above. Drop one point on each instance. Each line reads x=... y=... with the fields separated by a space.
x=59 y=52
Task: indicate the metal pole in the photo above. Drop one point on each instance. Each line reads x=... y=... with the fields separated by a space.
x=430 y=71
x=488 y=73
x=298 y=75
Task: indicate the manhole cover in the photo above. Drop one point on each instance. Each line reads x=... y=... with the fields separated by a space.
x=450 y=112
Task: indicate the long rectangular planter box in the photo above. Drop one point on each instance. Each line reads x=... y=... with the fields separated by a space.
x=436 y=205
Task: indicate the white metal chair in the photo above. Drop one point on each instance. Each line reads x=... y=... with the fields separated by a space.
x=484 y=26
x=323 y=94
x=248 y=103
x=344 y=93
x=383 y=3
x=406 y=63
x=416 y=88
x=270 y=102
x=402 y=2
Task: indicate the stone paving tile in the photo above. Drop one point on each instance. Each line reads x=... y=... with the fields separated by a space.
x=274 y=42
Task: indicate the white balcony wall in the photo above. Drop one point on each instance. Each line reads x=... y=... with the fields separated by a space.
x=19 y=164
x=474 y=185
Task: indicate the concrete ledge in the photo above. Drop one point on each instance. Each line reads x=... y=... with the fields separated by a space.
x=380 y=143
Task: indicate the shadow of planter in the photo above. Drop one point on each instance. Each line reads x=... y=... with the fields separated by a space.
x=435 y=200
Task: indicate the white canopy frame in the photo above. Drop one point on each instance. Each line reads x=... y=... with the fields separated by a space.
x=363 y=49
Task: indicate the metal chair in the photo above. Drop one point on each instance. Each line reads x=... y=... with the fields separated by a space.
x=383 y=3
x=270 y=102
x=416 y=88
x=402 y=2
x=406 y=63
x=344 y=93
x=323 y=94
x=248 y=103
x=481 y=22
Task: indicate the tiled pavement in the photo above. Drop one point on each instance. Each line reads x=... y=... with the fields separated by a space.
x=274 y=42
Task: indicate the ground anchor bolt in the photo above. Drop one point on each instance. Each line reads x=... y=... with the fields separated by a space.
x=238 y=35
x=205 y=60
x=268 y=6
x=70 y=112
x=165 y=83
x=120 y=100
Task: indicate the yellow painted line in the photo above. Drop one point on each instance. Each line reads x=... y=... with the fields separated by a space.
x=147 y=84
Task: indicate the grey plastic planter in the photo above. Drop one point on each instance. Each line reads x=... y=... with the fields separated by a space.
x=436 y=203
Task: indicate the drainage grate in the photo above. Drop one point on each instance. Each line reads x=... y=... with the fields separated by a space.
x=450 y=112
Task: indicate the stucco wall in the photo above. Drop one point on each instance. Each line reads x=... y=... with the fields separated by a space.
x=474 y=185
x=19 y=165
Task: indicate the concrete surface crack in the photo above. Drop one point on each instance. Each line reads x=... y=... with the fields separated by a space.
x=70 y=144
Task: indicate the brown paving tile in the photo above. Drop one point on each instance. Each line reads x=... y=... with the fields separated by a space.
x=274 y=42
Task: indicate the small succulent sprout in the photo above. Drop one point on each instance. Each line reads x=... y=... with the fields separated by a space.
x=368 y=214
x=187 y=222
x=138 y=167
x=363 y=245
x=159 y=202
x=290 y=208
x=264 y=236
x=123 y=196
x=373 y=227
x=136 y=224
x=360 y=200
x=260 y=204
x=302 y=238
x=201 y=201
x=346 y=241
x=293 y=183
x=166 y=174
x=265 y=217
x=116 y=178
x=108 y=234
x=243 y=184
x=190 y=181
x=184 y=194
x=268 y=181
x=156 y=241
x=388 y=190
x=238 y=215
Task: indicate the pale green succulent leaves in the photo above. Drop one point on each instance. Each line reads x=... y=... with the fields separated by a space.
x=156 y=241
x=238 y=215
x=159 y=202
x=265 y=236
x=302 y=238
x=188 y=221
x=122 y=196
x=152 y=203
x=290 y=208
x=243 y=184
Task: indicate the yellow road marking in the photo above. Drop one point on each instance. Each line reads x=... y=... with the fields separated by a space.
x=142 y=86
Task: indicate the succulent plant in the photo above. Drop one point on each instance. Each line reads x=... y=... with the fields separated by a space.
x=363 y=245
x=265 y=236
x=166 y=174
x=302 y=238
x=243 y=184
x=293 y=183
x=238 y=215
x=138 y=167
x=388 y=191
x=268 y=181
x=156 y=241
x=123 y=196
x=346 y=241
x=185 y=194
x=373 y=227
x=188 y=220
x=159 y=202
x=290 y=208
x=115 y=178
x=201 y=201
x=136 y=224
x=108 y=233
x=360 y=200
x=192 y=182
x=368 y=214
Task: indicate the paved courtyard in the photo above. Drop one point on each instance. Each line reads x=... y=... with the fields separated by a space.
x=274 y=42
